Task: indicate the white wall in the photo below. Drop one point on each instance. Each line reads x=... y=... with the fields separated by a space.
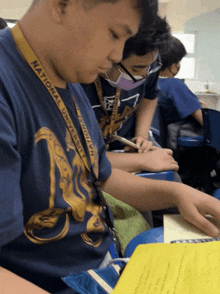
x=14 y=9
x=207 y=50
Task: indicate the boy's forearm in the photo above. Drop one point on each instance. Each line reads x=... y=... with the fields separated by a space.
x=11 y=283
x=144 y=116
x=141 y=193
x=129 y=162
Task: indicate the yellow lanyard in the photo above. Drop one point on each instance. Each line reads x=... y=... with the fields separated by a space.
x=113 y=116
x=31 y=58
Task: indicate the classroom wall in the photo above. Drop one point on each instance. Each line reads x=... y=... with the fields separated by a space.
x=14 y=9
x=207 y=50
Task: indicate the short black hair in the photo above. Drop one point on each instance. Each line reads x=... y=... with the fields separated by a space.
x=147 y=9
x=3 y=24
x=173 y=54
x=156 y=37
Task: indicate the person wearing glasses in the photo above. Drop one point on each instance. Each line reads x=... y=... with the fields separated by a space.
x=124 y=99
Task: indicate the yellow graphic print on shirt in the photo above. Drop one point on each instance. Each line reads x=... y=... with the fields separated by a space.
x=71 y=194
x=104 y=124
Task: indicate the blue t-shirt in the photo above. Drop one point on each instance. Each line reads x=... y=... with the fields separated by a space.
x=176 y=101
x=129 y=101
x=50 y=223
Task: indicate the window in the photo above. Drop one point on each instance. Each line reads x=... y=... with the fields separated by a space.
x=187 y=70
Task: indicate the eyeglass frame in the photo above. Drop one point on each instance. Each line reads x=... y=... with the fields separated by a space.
x=149 y=72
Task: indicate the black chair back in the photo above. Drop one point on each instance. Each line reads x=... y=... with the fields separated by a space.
x=157 y=127
x=211 y=121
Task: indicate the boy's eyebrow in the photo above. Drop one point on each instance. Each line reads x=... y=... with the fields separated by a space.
x=126 y=28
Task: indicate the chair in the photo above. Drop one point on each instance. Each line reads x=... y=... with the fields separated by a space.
x=152 y=236
x=216 y=194
x=211 y=139
x=211 y=120
x=166 y=175
x=157 y=126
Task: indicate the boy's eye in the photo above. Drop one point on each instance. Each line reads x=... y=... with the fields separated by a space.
x=137 y=70
x=114 y=35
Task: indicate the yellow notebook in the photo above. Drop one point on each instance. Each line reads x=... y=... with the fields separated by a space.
x=172 y=269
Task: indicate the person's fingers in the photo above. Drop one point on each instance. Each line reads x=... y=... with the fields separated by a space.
x=173 y=161
x=139 y=141
x=134 y=140
x=146 y=146
x=130 y=149
x=169 y=151
x=143 y=144
x=212 y=207
x=174 y=167
x=201 y=205
x=201 y=222
x=127 y=148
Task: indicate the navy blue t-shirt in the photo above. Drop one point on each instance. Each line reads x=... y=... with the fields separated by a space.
x=129 y=101
x=50 y=223
x=176 y=101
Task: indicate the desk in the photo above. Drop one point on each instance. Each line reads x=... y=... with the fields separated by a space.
x=213 y=100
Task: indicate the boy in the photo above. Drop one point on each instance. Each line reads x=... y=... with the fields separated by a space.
x=136 y=102
x=52 y=153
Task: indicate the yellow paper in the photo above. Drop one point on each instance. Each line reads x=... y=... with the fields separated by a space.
x=172 y=269
x=176 y=228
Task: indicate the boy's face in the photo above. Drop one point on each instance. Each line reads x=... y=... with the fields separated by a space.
x=139 y=65
x=91 y=40
x=135 y=64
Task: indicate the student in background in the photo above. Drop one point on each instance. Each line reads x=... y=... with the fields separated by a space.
x=125 y=108
x=176 y=100
x=3 y=24
x=177 y=106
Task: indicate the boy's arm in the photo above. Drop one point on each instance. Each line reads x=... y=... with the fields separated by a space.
x=147 y=195
x=11 y=283
x=153 y=161
x=198 y=116
x=144 y=116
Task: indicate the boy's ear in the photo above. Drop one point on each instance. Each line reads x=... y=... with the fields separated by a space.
x=173 y=67
x=58 y=9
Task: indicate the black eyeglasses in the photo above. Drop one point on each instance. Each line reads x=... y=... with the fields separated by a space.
x=150 y=70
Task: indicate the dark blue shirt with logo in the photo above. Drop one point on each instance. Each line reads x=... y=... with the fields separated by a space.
x=50 y=217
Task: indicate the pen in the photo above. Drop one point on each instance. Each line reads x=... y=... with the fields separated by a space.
x=125 y=141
